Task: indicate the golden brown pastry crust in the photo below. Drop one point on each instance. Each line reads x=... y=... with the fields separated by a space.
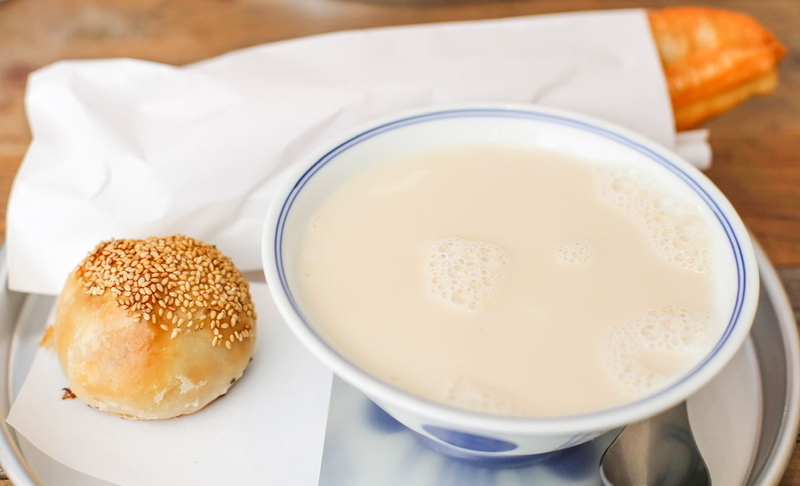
x=161 y=360
x=713 y=60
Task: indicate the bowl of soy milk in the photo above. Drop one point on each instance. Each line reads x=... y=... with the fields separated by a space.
x=510 y=280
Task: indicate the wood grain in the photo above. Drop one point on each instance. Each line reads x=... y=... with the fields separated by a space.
x=790 y=276
x=756 y=145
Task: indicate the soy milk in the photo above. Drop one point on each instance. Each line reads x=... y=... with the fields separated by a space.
x=514 y=281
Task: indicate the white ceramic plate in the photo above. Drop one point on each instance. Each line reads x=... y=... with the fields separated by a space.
x=745 y=420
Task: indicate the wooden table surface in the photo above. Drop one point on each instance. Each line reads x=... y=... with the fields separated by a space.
x=756 y=146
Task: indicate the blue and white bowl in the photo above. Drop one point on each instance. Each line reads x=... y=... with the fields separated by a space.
x=472 y=434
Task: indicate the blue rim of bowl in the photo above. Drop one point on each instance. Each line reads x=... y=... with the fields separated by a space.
x=534 y=115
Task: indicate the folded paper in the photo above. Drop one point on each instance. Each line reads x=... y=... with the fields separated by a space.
x=267 y=429
x=126 y=149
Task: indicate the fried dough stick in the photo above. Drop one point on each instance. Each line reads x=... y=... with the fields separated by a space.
x=713 y=60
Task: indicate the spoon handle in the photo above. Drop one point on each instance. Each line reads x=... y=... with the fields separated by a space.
x=659 y=451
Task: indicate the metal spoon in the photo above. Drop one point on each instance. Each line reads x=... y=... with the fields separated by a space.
x=659 y=451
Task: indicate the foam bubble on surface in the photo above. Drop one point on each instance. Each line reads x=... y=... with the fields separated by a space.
x=575 y=252
x=462 y=272
x=656 y=347
x=676 y=227
x=465 y=394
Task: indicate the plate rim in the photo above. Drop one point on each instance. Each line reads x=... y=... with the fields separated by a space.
x=782 y=446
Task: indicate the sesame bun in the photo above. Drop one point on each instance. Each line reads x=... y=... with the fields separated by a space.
x=155 y=328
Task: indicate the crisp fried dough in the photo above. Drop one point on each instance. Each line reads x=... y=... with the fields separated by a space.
x=713 y=60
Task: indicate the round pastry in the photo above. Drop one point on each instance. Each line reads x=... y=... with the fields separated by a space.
x=154 y=328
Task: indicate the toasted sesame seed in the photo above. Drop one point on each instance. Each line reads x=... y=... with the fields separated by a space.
x=153 y=278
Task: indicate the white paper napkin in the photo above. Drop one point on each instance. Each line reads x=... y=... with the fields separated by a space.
x=268 y=429
x=124 y=148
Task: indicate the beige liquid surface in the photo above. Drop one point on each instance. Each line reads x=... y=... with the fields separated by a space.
x=511 y=281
